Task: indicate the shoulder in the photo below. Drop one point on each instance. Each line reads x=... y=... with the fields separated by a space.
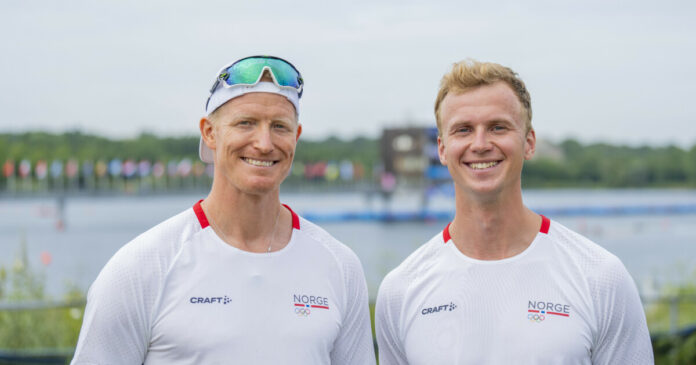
x=339 y=266
x=323 y=241
x=601 y=268
x=163 y=240
x=417 y=264
x=122 y=301
x=149 y=255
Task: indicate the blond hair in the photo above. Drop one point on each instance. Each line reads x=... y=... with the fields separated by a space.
x=469 y=74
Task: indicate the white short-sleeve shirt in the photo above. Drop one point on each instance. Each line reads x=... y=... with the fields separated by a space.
x=564 y=300
x=178 y=294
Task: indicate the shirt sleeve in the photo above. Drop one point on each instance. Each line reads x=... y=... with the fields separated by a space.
x=622 y=336
x=387 y=314
x=354 y=342
x=115 y=328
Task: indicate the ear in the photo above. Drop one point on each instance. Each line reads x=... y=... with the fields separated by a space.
x=207 y=132
x=299 y=132
x=530 y=145
x=441 y=150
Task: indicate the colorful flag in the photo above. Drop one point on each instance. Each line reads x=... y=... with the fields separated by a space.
x=346 y=168
x=24 y=168
x=129 y=168
x=8 y=168
x=71 y=168
x=184 y=167
x=115 y=167
x=56 y=169
x=144 y=168
x=87 y=168
x=198 y=168
x=158 y=169
x=41 y=169
x=101 y=168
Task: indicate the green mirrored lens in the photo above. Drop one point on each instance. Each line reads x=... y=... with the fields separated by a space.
x=284 y=73
x=248 y=71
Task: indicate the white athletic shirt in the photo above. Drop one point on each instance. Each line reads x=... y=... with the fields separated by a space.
x=178 y=294
x=564 y=300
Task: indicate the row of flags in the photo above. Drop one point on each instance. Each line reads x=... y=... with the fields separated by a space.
x=115 y=168
x=73 y=169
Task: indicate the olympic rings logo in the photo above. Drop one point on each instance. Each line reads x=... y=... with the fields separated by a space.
x=302 y=312
x=534 y=317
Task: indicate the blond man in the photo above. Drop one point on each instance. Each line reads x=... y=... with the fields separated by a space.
x=238 y=278
x=502 y=284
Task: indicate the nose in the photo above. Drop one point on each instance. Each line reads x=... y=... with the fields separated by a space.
x=263 y=140
x=481 y=142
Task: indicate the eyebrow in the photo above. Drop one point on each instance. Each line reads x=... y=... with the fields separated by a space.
x=457 y=125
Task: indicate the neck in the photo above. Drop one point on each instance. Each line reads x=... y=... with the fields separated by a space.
x=493 y=229
x=249 y=222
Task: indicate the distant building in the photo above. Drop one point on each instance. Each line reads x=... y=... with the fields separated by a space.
x=410 y=154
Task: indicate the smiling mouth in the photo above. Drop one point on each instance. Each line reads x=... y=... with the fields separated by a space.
x=482 y=165
x=259 y=163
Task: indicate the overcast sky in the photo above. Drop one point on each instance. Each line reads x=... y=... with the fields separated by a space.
x=614 y=71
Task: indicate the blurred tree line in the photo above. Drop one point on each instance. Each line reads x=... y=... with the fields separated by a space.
x=575 y=164
x=604 y=165
x=41 y=145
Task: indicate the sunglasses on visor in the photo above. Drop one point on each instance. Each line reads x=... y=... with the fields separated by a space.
x=249 y=70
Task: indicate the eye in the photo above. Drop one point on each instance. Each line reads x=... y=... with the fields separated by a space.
x=280 y=126
x=499 y=128
x=463 y=129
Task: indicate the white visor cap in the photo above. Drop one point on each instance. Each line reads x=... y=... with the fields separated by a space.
x=222 y=94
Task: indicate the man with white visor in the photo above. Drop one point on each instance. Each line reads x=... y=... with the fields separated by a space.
x=238 y=278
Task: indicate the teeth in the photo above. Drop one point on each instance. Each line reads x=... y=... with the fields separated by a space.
x=482 y=165
x=258 y=163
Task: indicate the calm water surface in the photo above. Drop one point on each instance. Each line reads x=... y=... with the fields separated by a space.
x=656 y=249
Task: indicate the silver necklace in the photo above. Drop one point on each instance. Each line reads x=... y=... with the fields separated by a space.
x=224 y=236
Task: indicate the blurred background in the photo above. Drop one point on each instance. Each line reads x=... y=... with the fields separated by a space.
x=100 y=102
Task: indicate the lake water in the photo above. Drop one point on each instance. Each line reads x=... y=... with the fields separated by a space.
x=657 y=248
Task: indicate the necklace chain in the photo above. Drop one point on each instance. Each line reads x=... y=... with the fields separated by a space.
x=216 y=228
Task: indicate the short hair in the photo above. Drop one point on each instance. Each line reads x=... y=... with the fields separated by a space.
x=469 y=74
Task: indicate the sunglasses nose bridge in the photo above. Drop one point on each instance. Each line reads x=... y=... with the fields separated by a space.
x=269 y=70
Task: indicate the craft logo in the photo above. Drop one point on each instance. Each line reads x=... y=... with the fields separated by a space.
x=445 y=307
x=304 y=304
x=210 y=300
x=538 y=310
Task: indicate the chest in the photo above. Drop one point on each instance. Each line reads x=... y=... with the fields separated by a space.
x=232 y=311
x=491 y=316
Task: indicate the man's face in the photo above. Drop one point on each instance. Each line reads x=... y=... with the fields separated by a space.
x=253 y=138
x=484 y=141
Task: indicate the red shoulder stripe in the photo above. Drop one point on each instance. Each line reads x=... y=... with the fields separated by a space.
x=295 y=218
x=545 y=224
x=445 y=234
x=200 y=214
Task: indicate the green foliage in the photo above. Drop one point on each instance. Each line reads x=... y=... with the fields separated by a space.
x=54 y=328
x=659 y=313
x=360 y=149
x=603 y=165
x=675 y=350
x=672 y=349
x=40 y=145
